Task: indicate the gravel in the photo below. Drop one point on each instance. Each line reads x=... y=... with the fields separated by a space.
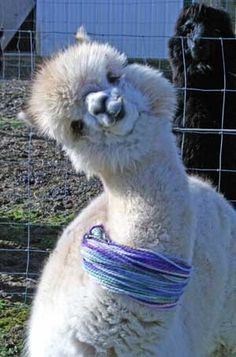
x=38 y=187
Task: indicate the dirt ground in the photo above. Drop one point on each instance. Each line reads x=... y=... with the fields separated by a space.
x=39 y=194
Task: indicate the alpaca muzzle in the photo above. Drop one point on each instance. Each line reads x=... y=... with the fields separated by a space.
x=106 y=106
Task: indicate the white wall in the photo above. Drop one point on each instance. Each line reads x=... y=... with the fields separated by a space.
x=140 y=28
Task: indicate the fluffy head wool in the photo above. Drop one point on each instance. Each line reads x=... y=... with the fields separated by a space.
x=58 y=104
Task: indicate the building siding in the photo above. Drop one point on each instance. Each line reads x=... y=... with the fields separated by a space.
x=140 y=28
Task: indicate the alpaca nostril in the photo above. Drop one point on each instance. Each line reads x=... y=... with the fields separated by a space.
x=115 y=108
x=100 y=105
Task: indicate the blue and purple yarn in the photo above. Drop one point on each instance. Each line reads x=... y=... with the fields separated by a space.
x=146 y=276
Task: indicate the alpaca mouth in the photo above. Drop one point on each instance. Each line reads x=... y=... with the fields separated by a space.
x=199 y=53
x=109 y=119
x=200 y=49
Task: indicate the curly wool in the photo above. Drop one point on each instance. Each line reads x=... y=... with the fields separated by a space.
x=205 y=109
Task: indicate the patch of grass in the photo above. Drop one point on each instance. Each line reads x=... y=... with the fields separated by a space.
x=20 y=213
x=13 y=123
x=61 y=219
x=13 y=317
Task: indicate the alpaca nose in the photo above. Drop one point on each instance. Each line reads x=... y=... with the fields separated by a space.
x=100 y=104
x=106 y=103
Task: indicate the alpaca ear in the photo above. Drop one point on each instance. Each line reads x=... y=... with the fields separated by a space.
x=82 y=36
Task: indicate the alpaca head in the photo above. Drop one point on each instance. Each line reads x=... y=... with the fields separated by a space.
x=105 y=113
x=195 y=23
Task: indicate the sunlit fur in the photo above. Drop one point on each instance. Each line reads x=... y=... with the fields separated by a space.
x=148 y=202
x=59 y=100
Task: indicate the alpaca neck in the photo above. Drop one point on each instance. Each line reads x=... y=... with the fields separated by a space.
x=148 y=207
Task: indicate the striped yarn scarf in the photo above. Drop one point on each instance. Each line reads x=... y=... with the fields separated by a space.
x=148 y=277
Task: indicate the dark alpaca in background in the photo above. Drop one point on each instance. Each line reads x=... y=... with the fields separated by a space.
x=198 y=62
x=1 y=35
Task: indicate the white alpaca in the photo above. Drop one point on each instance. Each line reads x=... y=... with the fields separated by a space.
x=114 y=120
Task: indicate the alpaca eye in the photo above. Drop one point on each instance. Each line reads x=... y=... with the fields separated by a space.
x=77 y=126
x=113 y=78
x=189 y=26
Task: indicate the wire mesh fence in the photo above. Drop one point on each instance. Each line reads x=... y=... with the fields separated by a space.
x=40 y=193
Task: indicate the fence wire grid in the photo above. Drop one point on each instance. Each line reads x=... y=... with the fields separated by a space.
x=40 y=193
